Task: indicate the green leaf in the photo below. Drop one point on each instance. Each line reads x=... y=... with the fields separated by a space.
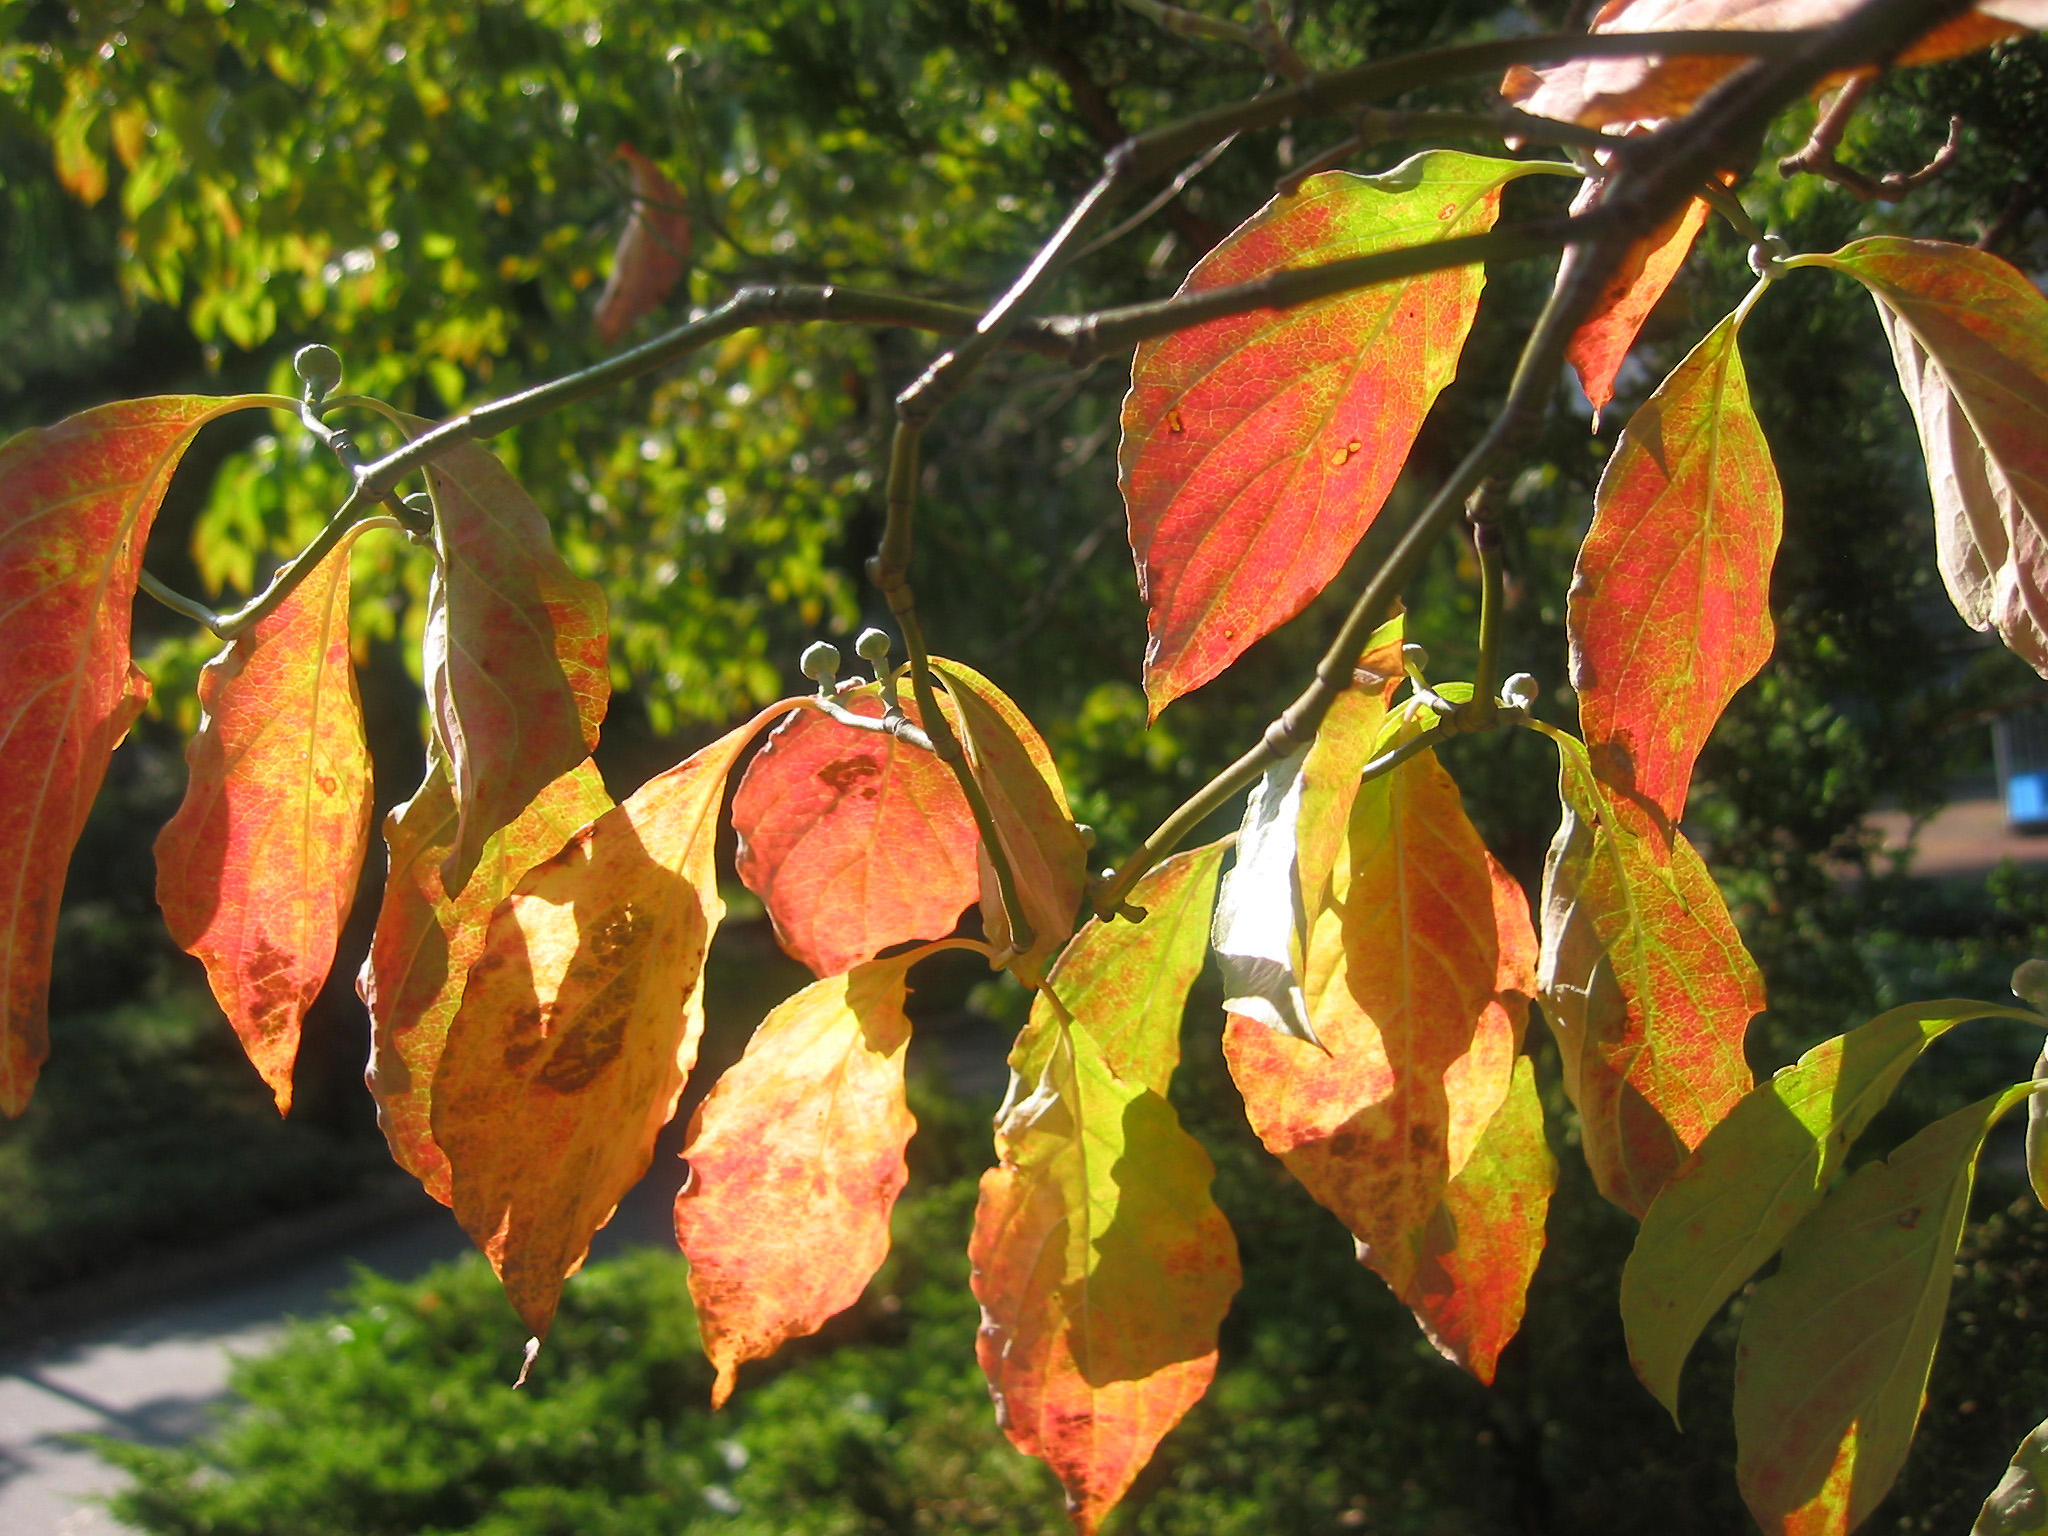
x=1832 y=1364
x=1759 y=1173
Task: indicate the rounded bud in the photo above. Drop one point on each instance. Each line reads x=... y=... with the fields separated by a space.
x=2030 y=983
x=1519 y=691
x=1086 y=833
x=319 y=367
x=872 y=645
x=820 y=661
x=1415 y=656
x=1767 y=254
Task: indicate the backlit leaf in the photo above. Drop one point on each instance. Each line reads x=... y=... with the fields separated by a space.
x=1101 y=1263
x=1645 y=982
x=1666 y=615
x=1832 y=1365
x=1603 y=338
x=426 y=940
x=654 y=251
x=76 y=504
x=579 y=1024
x=1609 y=92
x=853 y=840
x=515 y=649
x=796 y=1159
x=1258 y=449
x=1014 y=768
x=257 y=870
x=1969 y=335
x=1260 y=923
x=2018 y=1506
x=1420 y=962
x=1758 y=1174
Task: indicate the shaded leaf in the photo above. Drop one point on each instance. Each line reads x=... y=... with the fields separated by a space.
x=796 y=1159
x=653 y=253
x=76 y=503
x=1969 y=335
x=1601 y=342
x=1258 y=449
x=1645 y=982
x=853 y=840
x=1101 y=1263
x=1033 y=821
x=1665 y=614
x=1758 y=1174
x=1649 y=88
x=579 y=1024
x=2018 y=1506
x=426 y=941
x=1420 y=962
x=514 y=651
x=257 y=870
x=1830 y=1377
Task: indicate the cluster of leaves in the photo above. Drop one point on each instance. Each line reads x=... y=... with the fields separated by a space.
x=534 y=981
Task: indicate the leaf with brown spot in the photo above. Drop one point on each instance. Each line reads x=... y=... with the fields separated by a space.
x=515 y=649
x=1644 y=980
x=1666 y=613
x=1258 y=449
x=76 y=503
x=578 y=1025
x=1100 y=1260
x=1602 y=341
x=426 y=940
x=1015 y=770
x=796 y=1160
x=257 y=870
x=853 y=840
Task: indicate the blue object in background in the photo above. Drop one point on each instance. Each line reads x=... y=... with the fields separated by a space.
x=2026 y=799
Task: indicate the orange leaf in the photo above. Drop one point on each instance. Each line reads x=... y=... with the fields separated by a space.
x=76 y=502
x=1645 y=981
x=257 y=870
x=653 y=253
x=1969 y=336
x=579 y=1024
x=426 y=941
x=1649 y=88
x=1666 y=616
x=1102 y=1265
x=853 y=840
x=797 y=1155
x=515 y=649
x=1420 y=961
x=1014 y=768
x=1603 y=338
x=1258 y=449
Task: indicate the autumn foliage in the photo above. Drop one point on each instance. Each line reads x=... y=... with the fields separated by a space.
x=534 y=981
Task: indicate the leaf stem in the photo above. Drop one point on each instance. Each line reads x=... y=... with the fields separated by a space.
x=178 y=603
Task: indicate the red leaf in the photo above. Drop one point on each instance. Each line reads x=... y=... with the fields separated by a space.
x=1258 y=449
x=76 y=503
x=1645 y=981
x=1603 y=338
x=426 y=941
x=1420 y=961
x=1969 y=335
x=1648 y=88
x=515 y=649
x=852 y=839
x=1666 y=614
x=257 y=870
x=798 y=1154
x=1015 y=770
x=1102 y=1265
x=579 y=1024
x=654 y=251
